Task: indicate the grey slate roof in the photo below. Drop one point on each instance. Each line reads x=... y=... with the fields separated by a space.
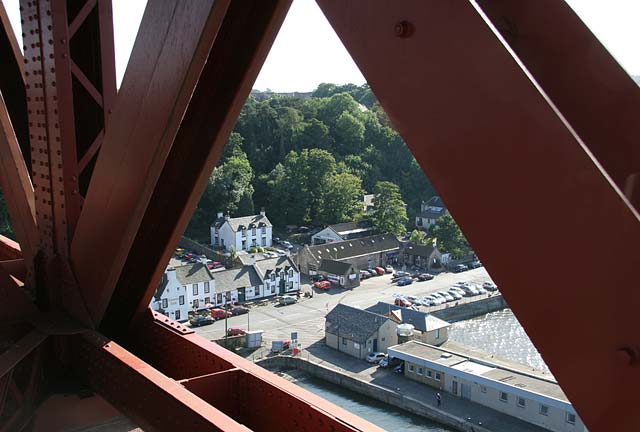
x=418 y=250
x=353 y=323
x=431 y=214
x=334 y=267
x=435 y=201
x=265 y=267
x=356 y=247
x=193 y=273
x=346 y=227
x=244 y=221
x=421 y=321
x=229 y=280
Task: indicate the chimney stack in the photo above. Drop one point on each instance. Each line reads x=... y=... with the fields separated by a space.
x=226 y=217
x=219 y=215
x=262 y=212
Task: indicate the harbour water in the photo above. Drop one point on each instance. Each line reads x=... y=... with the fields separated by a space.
x=501 y=334
x=378 y=413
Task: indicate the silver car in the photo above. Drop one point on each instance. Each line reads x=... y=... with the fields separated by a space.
x=455 y=294
x=448 y=297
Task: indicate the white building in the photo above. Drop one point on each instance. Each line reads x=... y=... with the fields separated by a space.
x=342 y=231
x=243 y=233
x=531 y=398
x=184 y=289
x=280 y=275
x=430 y=211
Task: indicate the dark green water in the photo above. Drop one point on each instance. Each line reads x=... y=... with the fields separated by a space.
x=378 y=413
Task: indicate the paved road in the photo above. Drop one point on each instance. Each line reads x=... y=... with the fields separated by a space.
x=307 y=316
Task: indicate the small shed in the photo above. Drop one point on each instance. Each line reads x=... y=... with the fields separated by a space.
x=341 y=273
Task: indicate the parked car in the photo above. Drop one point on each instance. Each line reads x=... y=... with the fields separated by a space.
x=287 y=300
x=287 y=244
x=448 y=297
x=323 y=285
x=364 y=275
x=460 y=268
x=400 y=274
x=475 y=264
x=199 y=320
x=481 y=290
x=399 y=369
x=375 y=357
x=457 y=290
x=388 y=269
x=379 y=270
x=389 y=362
x=372 y=272
x=235 y=331
x=455 y=294
x=318 y=277
x=214 y=265
x=490 y=286
x=425 y=276
x=217 y=313
x=426 y=301
x=405 y=281
x=239 y=310
x=280 y=253
x=436 y=300
x=402 y=302
x=470 y=290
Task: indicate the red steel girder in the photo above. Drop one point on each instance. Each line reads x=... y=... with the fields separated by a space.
x=172 y=46
x=16 y=186
x=245 y=37
x=489 y=139
x=594 y=94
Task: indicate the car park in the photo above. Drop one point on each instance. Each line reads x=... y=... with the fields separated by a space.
x=375 y=357
x=470 y=290
x=379 y=270
x=218 y=313
x=287 y=300
x=425 y=276
x=322 y=285
x=426 y=302
x=435 y=300
x=489 y=286
x=388 y=269
x=235 y=331
x=200 y=320
x=405 y=281
x=448 y=297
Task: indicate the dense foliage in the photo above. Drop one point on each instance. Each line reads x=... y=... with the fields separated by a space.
x=309 y=159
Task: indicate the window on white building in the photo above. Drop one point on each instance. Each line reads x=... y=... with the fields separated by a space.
x=207 y=300
x=273 y=289
x=219 y=298
x=195 y=289
x=196 y=303
x=420 y=371
x=228 y=296
x=344 y=341
x=290 y=272
x=264 y=241
x=273 y=277
x=429 y=374
x=483 y=389
x=181 y=300
x=253 y=231
x=244 y=244
x=177 y=314
x=206 y=288
x=411 y=368
x=544 y=410
x=438 y=376
x=264 y=230
x=290 y=285
x=521 y=402
x=437 y=333
x=244 y=232
x=571 y=418
x=165 y=303
x=504 y=397
x=257 y=291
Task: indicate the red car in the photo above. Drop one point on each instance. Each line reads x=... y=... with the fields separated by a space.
x=379 y=270
x=235 y=331
x=214 y=265
x=217 y=313
x=402 y=302
x=323 y=285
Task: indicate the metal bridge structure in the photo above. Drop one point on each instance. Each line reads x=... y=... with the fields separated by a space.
x=524 y=123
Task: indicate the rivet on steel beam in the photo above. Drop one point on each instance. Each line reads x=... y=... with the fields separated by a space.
x=627 y=355
x=403 y=29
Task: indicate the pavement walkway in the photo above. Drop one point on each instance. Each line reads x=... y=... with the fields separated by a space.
x=473 y=413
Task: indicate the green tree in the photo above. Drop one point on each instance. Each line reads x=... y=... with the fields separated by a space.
x=449 y=237
x=342 y=199
x=349 y=134
x=389 y=214
x=418 y=237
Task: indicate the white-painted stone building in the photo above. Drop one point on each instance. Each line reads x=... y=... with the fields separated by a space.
x=243 y=233
x=430 y=212
x=183 y=289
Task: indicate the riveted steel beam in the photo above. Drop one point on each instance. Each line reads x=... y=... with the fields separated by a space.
x=594 y=94
x=239 y=50
x=489 y=139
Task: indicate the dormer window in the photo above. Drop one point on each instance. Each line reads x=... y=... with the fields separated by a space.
x=273 y=277
x=290 y=272
x=253 y=231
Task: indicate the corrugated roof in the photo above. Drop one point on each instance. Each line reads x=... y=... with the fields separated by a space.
x=356 y=247
x=193 y=273
x=229 y=280
x=353 y=323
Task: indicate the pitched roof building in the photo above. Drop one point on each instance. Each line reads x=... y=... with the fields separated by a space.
x=343 y=231
x=430 y=211
x=242 y=233
x=433 y=329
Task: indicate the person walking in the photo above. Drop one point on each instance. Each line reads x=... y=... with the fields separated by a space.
x=438 y=399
